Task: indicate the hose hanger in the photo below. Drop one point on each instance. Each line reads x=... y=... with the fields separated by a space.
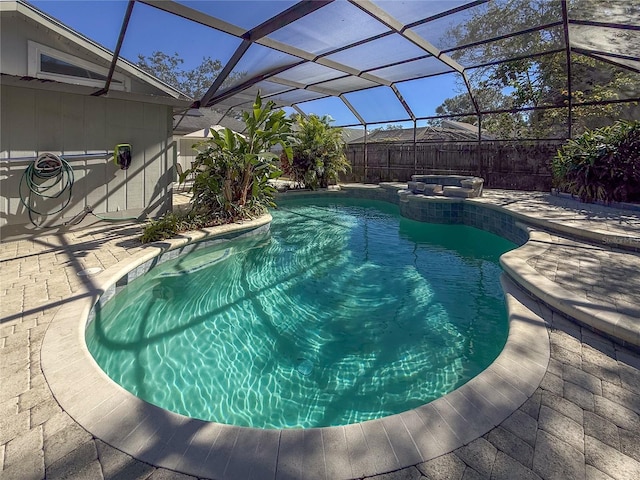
x=47 y=164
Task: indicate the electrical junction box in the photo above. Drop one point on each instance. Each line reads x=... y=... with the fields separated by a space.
x=122 y=155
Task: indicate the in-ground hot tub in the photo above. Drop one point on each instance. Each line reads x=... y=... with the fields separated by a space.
x=447 y=185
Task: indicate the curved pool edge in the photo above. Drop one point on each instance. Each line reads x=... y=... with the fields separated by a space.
x=211 y=450
x=611 y=323
x=530 y=232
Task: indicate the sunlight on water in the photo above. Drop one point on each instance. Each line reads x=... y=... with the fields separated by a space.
x=344 y=312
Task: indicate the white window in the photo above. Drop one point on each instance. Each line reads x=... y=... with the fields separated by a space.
x=47 y=62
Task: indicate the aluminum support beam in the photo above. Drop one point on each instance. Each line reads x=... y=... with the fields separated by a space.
x=565 y=20
x=353 y=110
x=116 y=52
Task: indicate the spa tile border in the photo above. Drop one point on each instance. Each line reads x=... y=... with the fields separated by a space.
x=208 y=449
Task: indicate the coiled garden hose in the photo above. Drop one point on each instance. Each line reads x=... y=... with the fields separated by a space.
x=50 y=176
x=47 y=177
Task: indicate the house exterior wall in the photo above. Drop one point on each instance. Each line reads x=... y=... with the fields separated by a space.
x=36 y=121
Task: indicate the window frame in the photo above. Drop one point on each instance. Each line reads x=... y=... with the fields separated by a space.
x=34 y=69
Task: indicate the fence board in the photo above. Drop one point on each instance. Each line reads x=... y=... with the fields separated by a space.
x=509 y=165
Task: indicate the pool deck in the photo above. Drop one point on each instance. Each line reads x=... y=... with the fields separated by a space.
x=581 y=420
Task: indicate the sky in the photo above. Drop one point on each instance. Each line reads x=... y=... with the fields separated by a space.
x=153 y=30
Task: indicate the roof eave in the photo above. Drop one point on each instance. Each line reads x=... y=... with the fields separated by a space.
x=38 y=16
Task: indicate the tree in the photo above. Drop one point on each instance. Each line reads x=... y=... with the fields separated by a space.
x=194 y=82
x=165 y=67
x=533 y=81
x=388 y=126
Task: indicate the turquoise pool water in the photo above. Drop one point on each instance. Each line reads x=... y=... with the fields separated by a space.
x=344 y=312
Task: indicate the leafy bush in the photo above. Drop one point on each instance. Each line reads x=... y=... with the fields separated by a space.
x=601 y=164
x=232 y=173
x=170 y=224
x=164 y=227
x=232 y=170
x=318 y=153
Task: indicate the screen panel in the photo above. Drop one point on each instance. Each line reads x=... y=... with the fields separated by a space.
x=266 y=88
x=623 y=62
x=99 y=21
x=409 y=12
x=331 y=27
x=530 y=43
x=378 y=53
x=593 y=80
x=309 y=73
x=295 y=96
x=247 y=14
x=616 y=41
x=340 y=113
x=527 y=82
x=345 y=84
x=426 y=96
x=589 y=117
x=164 y=45
x=258 y=60
x=489 y=20
x=411 y=70
x=606 y=11
x=377 y=105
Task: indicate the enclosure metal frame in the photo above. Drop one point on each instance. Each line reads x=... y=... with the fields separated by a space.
x=258 y=35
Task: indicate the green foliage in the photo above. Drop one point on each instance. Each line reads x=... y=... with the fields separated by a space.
x=535 y=81
x=232 y=171
x=165 y=67
x=194 y=82
x=601 y=164
x=170 y=224
x=318 y=153
x=164 y=227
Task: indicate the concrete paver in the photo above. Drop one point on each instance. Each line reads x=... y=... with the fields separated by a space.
x=555 y=459
x=511 y=446
x=480 y=454
x=507 y=468
x=581 y=422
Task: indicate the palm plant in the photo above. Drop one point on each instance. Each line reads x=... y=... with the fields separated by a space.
x=232 y=170
x=318 y=153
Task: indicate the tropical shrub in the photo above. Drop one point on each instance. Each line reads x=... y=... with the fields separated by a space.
x=318 y=153
x=601 y=164
x=232 y=173
x=170 y=224
x=164 y=227
x=232 y=170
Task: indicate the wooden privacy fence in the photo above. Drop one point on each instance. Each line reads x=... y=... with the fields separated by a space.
x=509 y=165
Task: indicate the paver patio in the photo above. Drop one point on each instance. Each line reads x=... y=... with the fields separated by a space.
x=582 y=422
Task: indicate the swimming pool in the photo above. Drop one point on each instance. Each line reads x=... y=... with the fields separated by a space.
x=343 y=313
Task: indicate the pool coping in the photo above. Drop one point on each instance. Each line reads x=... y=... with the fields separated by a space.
x=613 y=324
x=212 y=450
